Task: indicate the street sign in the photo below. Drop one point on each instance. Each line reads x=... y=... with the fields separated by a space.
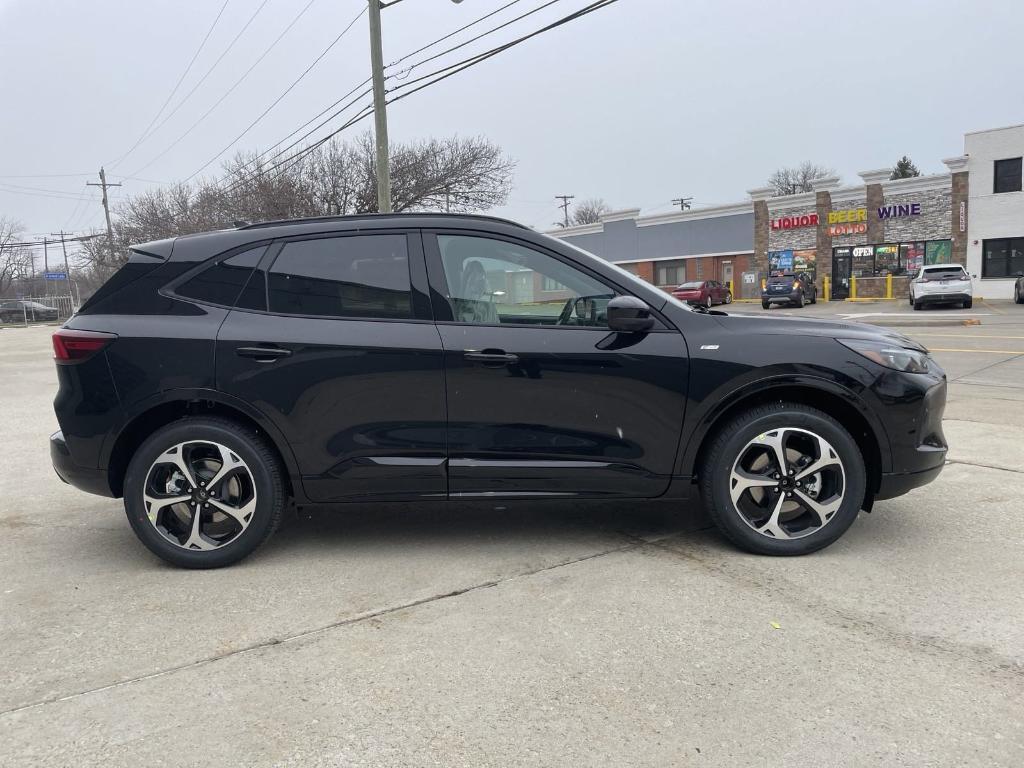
x=54 y=276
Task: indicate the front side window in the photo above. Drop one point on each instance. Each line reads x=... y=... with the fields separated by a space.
x=1007 y=175
x=1003 y=257
x=493 y=282
x=357 y=276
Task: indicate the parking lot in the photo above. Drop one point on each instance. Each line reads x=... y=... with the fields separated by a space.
x=532 y=634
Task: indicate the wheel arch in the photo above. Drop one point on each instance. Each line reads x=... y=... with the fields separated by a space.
x=171 y=406
x=836 y=401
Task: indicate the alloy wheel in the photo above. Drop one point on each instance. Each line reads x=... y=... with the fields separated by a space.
x=787 y=483
x=199 y=495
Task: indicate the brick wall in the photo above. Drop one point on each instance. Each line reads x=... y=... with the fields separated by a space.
x=823 y=242
x=960 y=194
x=761 y=228
x=933 y=223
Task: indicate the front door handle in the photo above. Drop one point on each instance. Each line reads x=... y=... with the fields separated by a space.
x=495 y=357
x=263 y=354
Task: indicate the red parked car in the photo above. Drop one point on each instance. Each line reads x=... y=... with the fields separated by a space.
x=706 y=292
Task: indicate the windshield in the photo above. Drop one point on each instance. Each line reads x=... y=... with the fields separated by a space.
x=781 y=279
x=690 y=286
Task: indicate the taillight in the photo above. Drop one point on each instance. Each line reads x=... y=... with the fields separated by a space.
x=70 y=346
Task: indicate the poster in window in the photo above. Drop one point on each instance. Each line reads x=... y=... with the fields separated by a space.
x=805 y=261
x=938 y=252
x=780 y=261
x=886 y=259
x=911 y=257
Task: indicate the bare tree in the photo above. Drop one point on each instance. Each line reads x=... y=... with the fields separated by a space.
x=15 y=260
x=792 y=181
x=589 y=211
x=334 y=178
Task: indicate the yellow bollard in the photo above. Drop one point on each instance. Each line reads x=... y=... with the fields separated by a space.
x=824 y=288
x=763 y=281
x=853 y=287
x=888 y=286
x=731 y=291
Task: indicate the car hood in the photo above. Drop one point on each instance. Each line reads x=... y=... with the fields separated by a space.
x=754 y=325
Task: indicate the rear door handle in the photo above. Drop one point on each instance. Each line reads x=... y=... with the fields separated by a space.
x=263 y=354
x=490 y=356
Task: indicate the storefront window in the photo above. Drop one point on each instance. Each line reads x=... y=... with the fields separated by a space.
x=911 y=257
x=938 y=252
x=1003 y=257
x=806 y=261
x=887 y=260
x=864 y=261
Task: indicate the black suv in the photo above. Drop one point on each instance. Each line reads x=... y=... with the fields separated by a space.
x=215 y=377
x=794 y=288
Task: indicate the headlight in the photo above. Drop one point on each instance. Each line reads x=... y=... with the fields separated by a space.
x=889 y=355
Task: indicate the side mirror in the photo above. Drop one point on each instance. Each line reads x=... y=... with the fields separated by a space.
x=628 y=314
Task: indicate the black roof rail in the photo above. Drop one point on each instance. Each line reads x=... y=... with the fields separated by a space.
x=367 y=216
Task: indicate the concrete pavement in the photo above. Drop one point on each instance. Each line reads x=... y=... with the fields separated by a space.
x=524 y=634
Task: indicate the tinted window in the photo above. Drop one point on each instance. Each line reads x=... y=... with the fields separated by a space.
x=359 y=276
x=495 y=281
x=691 y=286
x=945 y=273
x=1008 y=175
x=222 y=282
x=1003 y=257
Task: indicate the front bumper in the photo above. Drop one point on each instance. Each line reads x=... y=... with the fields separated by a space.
x=917 y=440
x=84 y=478
x=780 y=298
x=893 y=485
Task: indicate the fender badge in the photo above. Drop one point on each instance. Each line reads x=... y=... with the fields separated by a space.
x=709 y=346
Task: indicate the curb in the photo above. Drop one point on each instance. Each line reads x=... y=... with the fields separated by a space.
x=929 y=322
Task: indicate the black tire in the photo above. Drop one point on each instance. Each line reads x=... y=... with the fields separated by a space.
x=814 y=296
x=267 y=477
x=766 y=305
x=917 y=305
x=1018 y=297
x=800 y=300
x=728 y=298
x=735 y=436
x=910 y=299
x=969 y=303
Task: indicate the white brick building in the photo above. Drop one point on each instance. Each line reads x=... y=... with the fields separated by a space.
x=995 y=246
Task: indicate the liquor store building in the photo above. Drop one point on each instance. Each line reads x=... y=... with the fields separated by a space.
x=864 y=240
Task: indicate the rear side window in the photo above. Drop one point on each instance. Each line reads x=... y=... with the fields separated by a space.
x=357 y=276
x=222 y=282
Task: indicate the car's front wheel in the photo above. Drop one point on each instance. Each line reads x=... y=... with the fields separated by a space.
x=204 y=492
x=783 y=479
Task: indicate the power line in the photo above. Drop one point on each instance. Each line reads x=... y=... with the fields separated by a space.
x=276 y=101
x=209 y=71
x=230 y=90
x=444 y=73
x=177 y=85
x=331 y=106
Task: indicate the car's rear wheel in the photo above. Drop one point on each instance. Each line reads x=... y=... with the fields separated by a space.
x=1018 y=297
x=204 y=492
x=800 y=300
x=917 y=305
x=728 y=298
x=765 y=304
x=969 y=303
x=783 y=479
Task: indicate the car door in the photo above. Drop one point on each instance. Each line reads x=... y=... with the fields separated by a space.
x=336 y=345
x=542 y=399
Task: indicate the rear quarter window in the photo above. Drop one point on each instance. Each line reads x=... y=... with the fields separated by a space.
x=222 y=282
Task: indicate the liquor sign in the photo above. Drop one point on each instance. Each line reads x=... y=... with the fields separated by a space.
x=795 y=222
x=54 y=276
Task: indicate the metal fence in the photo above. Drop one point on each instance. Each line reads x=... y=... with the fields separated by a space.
x=65 y=306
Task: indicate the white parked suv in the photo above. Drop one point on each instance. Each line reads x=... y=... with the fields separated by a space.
x=941 y=284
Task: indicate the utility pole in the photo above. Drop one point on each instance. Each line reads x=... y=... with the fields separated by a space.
x=106 y=205
x=565 y=206
x=380 y=115
x=64 y=247
x=683 y=203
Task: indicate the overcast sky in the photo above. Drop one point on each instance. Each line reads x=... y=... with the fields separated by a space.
x=638 y=103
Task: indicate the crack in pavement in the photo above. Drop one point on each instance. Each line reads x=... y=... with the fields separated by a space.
x=984 y=466
x=910 y=641
x=376 y=613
